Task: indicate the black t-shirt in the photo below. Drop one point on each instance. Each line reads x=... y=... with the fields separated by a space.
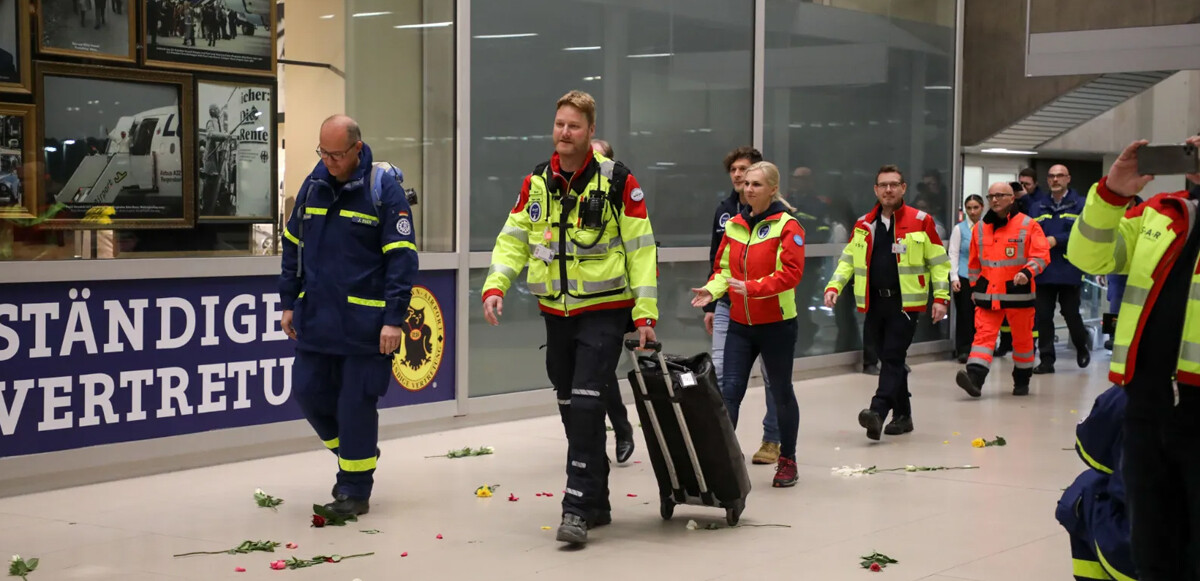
x=884 y=273
x=1151 y=394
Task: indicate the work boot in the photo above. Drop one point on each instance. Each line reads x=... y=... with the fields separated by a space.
x=785 y=473
x=572 y=530
x=872 y=369
x=1021 y=381
x=1083 y=357
x=600 y=518
x=1043 y=368
x=624 y=450
x=1108 y=343
x=768 y=453
x=872 y=422
x=971 y=379
x=344 y=505
x=899 y=425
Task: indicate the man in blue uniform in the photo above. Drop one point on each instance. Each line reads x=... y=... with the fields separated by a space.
x=349 y=259
x=1061 y=282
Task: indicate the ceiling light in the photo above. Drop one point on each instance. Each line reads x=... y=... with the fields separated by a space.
x=366 y=14
x=517 y=35
x=327 y=17
x=1006 y=151
x=653 y=55
x=595 y=78
x=425 y=25
x=583 y=48
x=938 y=88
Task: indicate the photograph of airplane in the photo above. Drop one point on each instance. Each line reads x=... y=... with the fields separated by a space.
x=215 y=34
x=114 y=144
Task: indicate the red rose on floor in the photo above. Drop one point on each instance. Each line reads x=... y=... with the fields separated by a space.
x=404 y=554
x=876 y=568
x=631 y=495
x=439 y=537
x=329 y=560
x=240 y=569
x=513 y=498
x=318 y=521
x=277 y=565
x=292 y=546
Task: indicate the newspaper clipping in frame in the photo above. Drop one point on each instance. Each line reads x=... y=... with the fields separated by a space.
x=234 y=146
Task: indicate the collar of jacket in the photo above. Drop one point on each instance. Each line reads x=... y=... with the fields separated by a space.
x=365 y=159
x=736 y=200
x=580 y=178
x=773 y=210
x=1068 y=199
x=899 y=214
x=996 y=220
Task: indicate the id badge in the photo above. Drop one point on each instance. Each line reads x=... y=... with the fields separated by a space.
x=899 y=248
x=543 y=253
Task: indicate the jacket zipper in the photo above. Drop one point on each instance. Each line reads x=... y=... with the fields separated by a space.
x=746 y=275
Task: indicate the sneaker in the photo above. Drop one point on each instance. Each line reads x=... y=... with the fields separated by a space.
x=872 y=422
x=624 y=450
x=899 y=425
x=872 y=369
x=345 y=505
x=572 y=530
x=785 y=473
x=768 y=453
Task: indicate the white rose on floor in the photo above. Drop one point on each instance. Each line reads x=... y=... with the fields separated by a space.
x=692 y=525
x=16 y=558
x=910 y=468
x=258 y=491
x=490 y=449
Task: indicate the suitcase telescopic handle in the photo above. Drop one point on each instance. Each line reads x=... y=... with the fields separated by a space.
x=632 y=344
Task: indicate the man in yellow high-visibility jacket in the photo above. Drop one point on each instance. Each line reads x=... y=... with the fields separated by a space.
x=1156 y=355
x=581 y=227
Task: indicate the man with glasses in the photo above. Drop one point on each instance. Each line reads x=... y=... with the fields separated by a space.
x=1056 y=214
x=896 y=248
x=349 y=260
x=1008 y=250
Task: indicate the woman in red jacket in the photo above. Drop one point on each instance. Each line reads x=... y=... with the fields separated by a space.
x=760 y=261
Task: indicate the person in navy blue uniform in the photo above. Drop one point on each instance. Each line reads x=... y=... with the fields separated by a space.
x=349 y=260
x=1060 y=283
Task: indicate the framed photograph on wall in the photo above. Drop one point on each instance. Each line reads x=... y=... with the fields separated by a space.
x=18 y=161
x=14 y=47
x=233 y=36
x=235 y=145
x=98 y=29
x=116 y=145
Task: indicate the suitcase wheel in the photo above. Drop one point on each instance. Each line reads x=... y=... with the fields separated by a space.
x=734 y=513
x=666 y=508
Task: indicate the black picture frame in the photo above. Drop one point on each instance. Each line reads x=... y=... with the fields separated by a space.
x=106 y=30
x=18 y=168
x=236 y=169
x=246 y=47
x=15 y=46
x=130 y=174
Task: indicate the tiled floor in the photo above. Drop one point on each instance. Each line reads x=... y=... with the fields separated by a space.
x=993 y=523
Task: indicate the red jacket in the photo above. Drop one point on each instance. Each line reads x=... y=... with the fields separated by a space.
x=768 y=254
x=1001 y=248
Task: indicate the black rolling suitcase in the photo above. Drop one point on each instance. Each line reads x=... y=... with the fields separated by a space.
x=692 y=445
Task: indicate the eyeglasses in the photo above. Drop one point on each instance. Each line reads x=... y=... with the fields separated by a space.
x=890 y=185
x=995 y=196
x=334 y=155
x=1059 y=175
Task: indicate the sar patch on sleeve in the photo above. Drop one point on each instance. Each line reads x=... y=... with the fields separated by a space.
x=798 y=239
x=637 y=195
x=404 y=226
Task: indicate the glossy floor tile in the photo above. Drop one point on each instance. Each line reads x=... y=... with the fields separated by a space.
x=991 y=523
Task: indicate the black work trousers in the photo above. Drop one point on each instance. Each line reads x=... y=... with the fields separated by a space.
x=582 y=352
x=1067 y=297
x=1162 y=489
x=617 y=413
x=964 y=315
x=895 y=328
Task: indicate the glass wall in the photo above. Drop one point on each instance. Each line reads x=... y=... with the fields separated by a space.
x=672 y=81
x=851 y=86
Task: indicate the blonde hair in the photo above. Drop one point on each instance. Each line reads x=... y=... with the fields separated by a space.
x=582 y=101
x=771 y=174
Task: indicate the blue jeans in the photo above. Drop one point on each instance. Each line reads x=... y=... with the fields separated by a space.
x=720 y=331
x=776 y=342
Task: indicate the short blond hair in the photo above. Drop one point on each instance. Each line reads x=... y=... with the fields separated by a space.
x=771 y=176
x=582 y=101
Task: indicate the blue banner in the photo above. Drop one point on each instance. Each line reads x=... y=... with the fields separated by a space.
x=97 y=362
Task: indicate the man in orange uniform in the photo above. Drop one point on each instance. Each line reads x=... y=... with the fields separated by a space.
x=1008 y=249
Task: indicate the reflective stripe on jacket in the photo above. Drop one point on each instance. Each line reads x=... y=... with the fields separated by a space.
x=610 y=267
x=923 y=264
x=1143 y=244
x=1001 y=250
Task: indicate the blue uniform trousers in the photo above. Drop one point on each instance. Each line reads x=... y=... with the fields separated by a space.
x=339 y=395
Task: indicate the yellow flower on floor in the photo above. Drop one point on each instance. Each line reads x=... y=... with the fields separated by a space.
x=484 y=491
x=978 y=443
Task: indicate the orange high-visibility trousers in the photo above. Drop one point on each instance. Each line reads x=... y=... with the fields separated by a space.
x=987 y=326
